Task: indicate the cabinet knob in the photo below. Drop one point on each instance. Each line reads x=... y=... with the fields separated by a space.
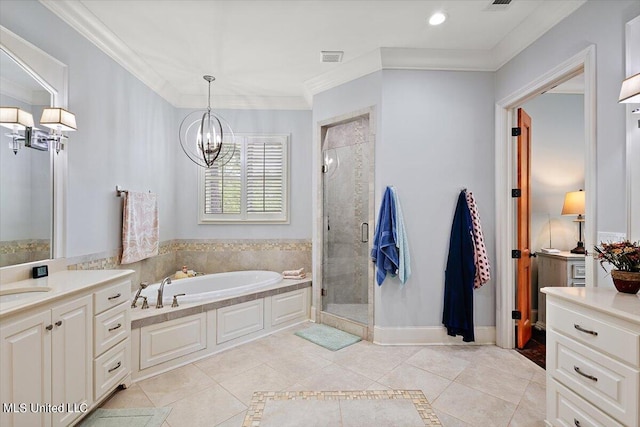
x=48 y=327
x=59 y=323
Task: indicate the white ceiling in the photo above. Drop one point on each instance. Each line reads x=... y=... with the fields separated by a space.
x=266 y=53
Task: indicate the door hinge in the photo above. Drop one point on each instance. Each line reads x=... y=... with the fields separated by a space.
x=516 y=315
x=516 y=131
x=516 y=253
x=323 y=292
x=516 y=192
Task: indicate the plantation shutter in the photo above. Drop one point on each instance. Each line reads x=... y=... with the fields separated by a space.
x=251 y=186
x=223 y=186
x=265 y=176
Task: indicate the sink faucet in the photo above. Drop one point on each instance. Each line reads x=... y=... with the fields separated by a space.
x=165 y=281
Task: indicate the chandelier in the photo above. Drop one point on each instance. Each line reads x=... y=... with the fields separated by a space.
x=205 y=136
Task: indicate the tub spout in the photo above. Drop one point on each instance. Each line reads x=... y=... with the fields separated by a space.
x=165 y=281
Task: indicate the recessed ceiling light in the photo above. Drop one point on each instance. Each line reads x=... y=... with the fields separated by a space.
x=437 y=18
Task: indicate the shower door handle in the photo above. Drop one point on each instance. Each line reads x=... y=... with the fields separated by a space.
x=364 y=232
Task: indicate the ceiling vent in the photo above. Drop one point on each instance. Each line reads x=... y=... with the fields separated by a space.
x=331 y=56
x=498 y=5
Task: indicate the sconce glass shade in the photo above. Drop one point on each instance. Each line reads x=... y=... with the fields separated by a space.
x=573 y=203
x=58 y=119
x=630 y=91
x=15 y=119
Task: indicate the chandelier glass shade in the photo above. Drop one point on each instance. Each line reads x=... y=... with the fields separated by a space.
x=206 y=137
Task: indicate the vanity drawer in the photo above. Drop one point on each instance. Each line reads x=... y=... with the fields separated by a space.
x=603 y=381
x=111 y=327
x=111 y=367
x=596 y=331
x=111 y=296
x=566 y=409
x=578 y=271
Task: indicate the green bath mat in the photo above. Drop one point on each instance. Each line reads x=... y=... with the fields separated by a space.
x=328 y=337
x=131 y=417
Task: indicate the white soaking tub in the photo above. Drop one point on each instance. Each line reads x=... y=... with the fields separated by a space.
x=210 y=287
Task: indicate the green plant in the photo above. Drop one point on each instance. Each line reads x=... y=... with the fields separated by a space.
x=624 y=256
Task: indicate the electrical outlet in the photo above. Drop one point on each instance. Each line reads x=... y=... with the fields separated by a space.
x=610 y=237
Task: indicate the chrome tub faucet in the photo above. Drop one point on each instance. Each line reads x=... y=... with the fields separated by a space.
x=165 y=281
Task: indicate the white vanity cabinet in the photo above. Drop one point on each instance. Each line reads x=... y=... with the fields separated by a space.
x=48 y=368
x=593 y=357
x=46 y=358
x=563 y=269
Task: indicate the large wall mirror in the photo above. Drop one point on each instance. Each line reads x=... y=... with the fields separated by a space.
x=32 y=180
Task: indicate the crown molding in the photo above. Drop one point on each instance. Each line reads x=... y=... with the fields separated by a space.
x=545 y=17
x=88 y=25
x=255 y=102
x=345 y=72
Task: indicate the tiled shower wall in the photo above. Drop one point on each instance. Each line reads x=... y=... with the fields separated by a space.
x=346 y=260
x=207 y=256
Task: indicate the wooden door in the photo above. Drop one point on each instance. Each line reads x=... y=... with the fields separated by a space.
x=25 y=366
x=72 y=354
x=524 y=230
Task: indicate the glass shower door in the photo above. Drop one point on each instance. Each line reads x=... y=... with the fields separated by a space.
x=346 y=259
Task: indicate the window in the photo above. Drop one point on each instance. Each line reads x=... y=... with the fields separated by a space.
x=251 y=186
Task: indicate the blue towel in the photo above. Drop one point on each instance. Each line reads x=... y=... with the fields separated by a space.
x=400 y=236
x=385 y=251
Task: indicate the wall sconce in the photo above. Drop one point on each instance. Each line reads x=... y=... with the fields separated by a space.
x=630 y=91
x=58 y=120
x=574 y=205
x=18 y=121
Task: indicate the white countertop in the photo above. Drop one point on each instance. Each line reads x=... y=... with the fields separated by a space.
x=625 y=306
x=62 y=283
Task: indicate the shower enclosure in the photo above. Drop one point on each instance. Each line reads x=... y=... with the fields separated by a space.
x=346 y=228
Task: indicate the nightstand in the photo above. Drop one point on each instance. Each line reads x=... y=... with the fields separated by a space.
x=557 y=270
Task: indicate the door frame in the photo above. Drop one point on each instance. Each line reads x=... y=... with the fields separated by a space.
x=505 y=163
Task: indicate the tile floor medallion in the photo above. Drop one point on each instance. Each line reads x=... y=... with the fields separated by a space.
x=408 y=408
x=464 y=385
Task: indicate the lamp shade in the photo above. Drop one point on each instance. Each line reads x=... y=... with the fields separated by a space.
x=630 y=91
x=15 y=118
x=58 y=118
x=573 y=203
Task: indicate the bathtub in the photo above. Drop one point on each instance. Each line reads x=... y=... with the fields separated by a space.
x=210 y=287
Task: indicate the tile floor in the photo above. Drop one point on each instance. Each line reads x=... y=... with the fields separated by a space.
x=466 y=385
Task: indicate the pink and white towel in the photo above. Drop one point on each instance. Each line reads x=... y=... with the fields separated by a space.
x=139 y=227
x=481 y=260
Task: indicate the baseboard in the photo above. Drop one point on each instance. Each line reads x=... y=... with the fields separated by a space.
x=429 y=335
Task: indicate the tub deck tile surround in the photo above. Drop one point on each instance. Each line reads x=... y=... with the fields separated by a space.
x=148 y=317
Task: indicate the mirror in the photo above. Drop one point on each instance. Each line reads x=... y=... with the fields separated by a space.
x=25 y=176
x=50 y=191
